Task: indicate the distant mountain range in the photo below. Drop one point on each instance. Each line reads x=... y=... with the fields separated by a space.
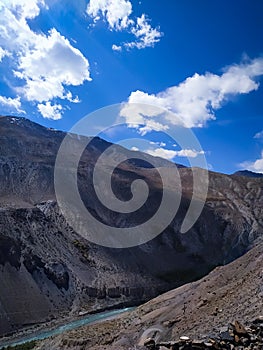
x=248 y=173
x=48 y=271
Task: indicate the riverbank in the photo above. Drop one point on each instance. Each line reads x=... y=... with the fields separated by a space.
x=198 y=311
x=62 y=327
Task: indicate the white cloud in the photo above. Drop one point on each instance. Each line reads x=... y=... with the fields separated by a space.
x=171 y=154
x=150 y=126
x=52 y=65
x=15 y=33
x=3 y=53
x=161 y=143
x=259 y=135
x=11 y=103
x=194 y=101
x=136 y=149
x=146 y=35
x=70 y=98
x=116 y=47
x=46 y=64
x=189 y=153
x=50 y=111
x=161 y=152
x=25 y=9
x=256 y=166
x=117 y=13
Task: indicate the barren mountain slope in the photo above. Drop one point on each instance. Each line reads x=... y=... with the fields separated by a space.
x=197 y=310
x=48 y=270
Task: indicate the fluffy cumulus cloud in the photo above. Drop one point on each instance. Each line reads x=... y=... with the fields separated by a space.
x=256 y=166
x=118 y=15
x=23 y=8
x=194 y=101
x=50 y=111
x=116 y=12
x=50 y=66
x=46 y=65
x=171 y=154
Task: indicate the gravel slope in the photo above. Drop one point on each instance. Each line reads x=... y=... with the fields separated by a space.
x=198 y=310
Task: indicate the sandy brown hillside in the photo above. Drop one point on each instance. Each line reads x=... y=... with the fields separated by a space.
x=199 y=309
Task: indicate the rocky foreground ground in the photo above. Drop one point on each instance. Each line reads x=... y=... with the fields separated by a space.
x=234 y=336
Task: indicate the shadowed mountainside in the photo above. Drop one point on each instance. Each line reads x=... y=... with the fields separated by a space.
x=47 y=270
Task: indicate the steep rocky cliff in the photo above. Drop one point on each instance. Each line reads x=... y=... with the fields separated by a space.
x=47 y=269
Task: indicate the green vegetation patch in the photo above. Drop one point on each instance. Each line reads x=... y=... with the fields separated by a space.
x=26 y=346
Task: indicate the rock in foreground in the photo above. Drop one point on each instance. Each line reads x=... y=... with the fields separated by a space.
x=237 y=337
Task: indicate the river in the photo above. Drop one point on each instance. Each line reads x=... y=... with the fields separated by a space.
x=66 y=327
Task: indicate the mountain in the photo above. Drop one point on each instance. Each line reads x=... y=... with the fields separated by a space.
x=49 y=271
x=247 y=173
x=198 y=310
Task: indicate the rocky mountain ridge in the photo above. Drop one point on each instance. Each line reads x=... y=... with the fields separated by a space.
x=48 y=270
x=248 y=173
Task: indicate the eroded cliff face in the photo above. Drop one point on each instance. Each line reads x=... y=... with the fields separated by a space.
x=47 y=269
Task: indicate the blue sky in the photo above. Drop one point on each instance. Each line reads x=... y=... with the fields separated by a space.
x=201 y=60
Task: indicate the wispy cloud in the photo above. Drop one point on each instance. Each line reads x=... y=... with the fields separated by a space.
x=118 y=15
x=259 y=135
x=171 y=154
x=145 y=34
x=194 y=101
x=12 y=104
x=161 y=143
